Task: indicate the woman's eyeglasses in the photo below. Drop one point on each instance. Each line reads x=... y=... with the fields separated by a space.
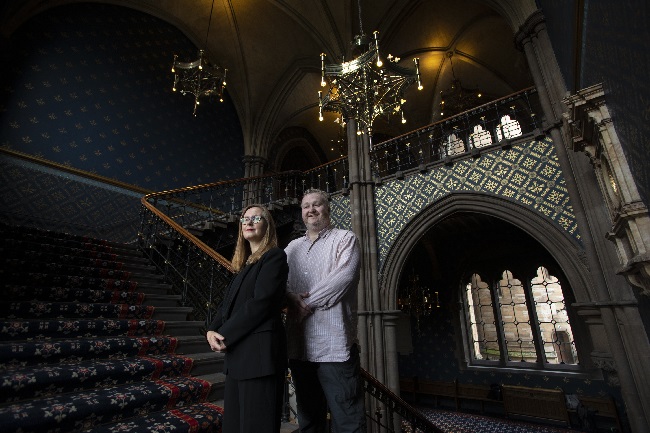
x=254 y=218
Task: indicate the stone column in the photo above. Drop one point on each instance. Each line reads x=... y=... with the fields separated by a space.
x=362 y=204
x=253 y=167
x=581 y=184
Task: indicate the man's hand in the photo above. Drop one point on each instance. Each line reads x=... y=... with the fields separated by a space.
x=215 y=340
x=297 y=306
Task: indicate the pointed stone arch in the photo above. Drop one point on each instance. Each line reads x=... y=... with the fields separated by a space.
x=567 y=252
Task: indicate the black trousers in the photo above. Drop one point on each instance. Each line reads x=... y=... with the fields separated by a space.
x=253 y=405
x=337 y=385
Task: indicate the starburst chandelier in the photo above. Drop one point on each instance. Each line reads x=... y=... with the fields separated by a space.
x=199 y=78
x=366 y=88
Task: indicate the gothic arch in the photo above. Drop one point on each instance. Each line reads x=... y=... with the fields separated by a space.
x=567 y=252
x=293 y=143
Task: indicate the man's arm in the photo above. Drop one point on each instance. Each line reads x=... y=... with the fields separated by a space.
x=343 y=275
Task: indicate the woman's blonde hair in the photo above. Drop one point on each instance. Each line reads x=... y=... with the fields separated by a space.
x=242 y=255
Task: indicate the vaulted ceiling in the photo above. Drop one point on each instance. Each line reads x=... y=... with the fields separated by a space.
x=272 y=51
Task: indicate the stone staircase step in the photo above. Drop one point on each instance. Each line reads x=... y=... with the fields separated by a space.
x=171 y=313
x=190 y=344
x=206 y=362
x=218 y=385
x=189 y=327
x=82 y=410
x=163 y=300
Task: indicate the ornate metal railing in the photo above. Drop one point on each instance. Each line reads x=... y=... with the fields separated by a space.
x=387 y=412
x=494 y=124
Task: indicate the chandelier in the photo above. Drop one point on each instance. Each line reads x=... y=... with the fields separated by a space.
x=417 y=300
x=457 y=98
x=366 y=88
x=199 y=78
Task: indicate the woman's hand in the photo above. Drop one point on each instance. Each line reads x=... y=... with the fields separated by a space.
x=215 y=340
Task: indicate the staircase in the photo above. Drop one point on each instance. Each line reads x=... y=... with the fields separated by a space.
x=92 y=339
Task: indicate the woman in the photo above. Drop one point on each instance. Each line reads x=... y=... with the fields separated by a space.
x=248 y=328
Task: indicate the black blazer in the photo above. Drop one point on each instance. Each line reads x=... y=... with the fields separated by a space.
x=250 y=318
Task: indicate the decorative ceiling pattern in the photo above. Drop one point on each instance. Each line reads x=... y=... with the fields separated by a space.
x=528 y=173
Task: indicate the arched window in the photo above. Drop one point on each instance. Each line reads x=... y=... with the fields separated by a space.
x=508 y=128
x=455 y=145
x=480 y=137
x=510 y=322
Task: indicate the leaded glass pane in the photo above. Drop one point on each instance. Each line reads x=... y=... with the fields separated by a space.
x=516 y=321
x=557 y=336
x=483 y=339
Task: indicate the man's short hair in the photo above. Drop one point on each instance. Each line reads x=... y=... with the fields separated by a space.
x=324 y=196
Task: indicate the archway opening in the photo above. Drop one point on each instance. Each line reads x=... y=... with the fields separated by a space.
x=473 y=251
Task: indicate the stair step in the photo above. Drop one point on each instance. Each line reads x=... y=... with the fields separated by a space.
x=69 y=351
x=79 y=310
x=218 y=385
x=171 y=313
x=21 y=330
x=189 y=344
x=196 y=418
x=188 y=327
x=163 y=300
x=86 y=409
x=154 y=288
x=44 y=381
x=53 y=272
x=66 y=294
x=49 y=243
x=81 y=258
x=206 y=362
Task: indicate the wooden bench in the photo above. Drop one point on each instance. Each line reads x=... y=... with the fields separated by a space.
x=538 y=403
x=412 y=387
x=480 y=393
x=526 y=402
x=438 y=389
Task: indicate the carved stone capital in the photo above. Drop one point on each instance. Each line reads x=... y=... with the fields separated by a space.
x=533 y=25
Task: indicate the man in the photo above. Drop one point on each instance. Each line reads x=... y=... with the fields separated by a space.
x=322 y=322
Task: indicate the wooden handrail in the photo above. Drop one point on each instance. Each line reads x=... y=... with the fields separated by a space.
x=401 y=407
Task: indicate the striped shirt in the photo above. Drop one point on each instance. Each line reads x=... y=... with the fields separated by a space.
x=327 y=268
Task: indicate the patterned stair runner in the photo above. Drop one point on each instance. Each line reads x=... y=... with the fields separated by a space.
x=81 y=347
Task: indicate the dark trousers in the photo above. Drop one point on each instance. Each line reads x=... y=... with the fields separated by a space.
x=253 y=405
x=334 y=384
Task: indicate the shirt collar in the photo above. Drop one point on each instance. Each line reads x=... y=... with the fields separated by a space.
x=321 y=234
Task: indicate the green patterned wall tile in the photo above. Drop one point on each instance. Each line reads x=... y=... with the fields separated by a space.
x=528 y=173
x=340 y=212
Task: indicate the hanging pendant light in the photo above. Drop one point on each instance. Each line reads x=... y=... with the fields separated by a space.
x=199 y=78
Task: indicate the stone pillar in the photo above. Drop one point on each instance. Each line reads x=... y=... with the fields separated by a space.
x=253 y=167
x=362 y=203
x=606 y=296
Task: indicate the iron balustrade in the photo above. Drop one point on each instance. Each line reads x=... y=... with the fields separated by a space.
x=493 y=124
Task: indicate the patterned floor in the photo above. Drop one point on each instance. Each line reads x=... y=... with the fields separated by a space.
x=457 y=422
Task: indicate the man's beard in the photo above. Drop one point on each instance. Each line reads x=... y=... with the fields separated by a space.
x=318 y=224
